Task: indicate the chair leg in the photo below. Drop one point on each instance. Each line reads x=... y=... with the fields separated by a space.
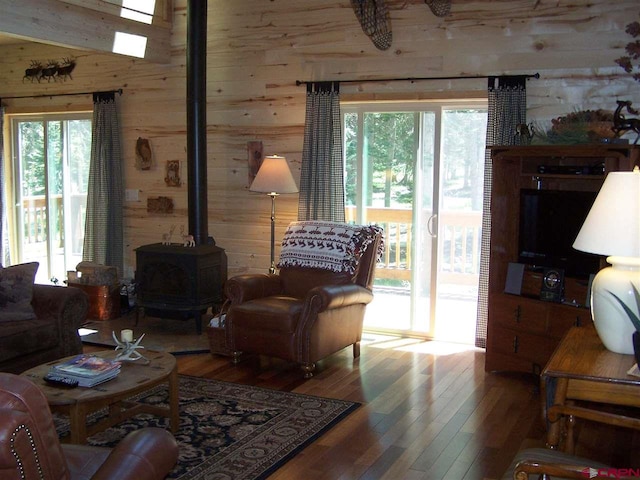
x=356 y=350
x=308 y=369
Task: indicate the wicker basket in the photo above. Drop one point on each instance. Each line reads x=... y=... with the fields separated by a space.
x=218 y=333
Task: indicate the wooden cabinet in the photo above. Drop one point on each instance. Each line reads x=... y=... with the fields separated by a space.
x=522 y=330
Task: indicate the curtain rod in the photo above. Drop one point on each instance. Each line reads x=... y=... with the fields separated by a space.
x=119 y=91
x=413 y=79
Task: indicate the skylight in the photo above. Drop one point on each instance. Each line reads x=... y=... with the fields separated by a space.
x=138 y=10
x=129 y=44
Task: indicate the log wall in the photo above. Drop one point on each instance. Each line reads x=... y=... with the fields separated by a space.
x=258 y=49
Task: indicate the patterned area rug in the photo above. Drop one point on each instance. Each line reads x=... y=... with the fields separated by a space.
x=230 y=431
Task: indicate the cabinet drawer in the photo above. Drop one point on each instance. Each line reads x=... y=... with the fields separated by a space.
x=562 y=318
x=534 y=348
x=518 y=312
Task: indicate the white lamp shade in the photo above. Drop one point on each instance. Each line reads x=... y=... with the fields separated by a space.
x=274 y=176
x=612 y=227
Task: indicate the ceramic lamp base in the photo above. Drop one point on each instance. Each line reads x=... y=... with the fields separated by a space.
x=611 y=321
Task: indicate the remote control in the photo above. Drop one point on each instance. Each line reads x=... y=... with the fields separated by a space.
x=60 y=380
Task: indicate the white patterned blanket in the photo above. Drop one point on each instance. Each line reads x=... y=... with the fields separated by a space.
x=326 y=245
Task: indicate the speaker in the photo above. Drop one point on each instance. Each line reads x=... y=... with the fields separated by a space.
x=513 y=284
x=552 y=285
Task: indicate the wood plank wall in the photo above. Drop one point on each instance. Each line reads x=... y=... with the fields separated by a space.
x=258 y=49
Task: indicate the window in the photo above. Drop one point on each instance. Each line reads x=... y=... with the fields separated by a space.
x=50 y=160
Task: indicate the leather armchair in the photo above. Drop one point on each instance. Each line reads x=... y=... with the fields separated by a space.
x=301 y=314
x=30 y=449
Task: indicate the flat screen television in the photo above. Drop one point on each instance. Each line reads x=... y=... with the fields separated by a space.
x=549 y=223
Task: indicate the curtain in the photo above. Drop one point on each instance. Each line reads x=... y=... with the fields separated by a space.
x=4 y=239
x=322 y=175
x=507 y=102
x=103 y=234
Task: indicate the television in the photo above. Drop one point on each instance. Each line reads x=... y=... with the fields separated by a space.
x=549 y=223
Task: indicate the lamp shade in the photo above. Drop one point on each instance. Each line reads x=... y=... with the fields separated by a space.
x=612 y=226
x=274 y=176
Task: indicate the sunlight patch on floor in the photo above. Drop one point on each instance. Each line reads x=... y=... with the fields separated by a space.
x=85 y=331
x=416 y=345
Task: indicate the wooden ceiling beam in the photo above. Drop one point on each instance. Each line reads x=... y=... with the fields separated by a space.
x=59 y=23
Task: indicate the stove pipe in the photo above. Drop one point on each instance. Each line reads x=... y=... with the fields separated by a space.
x=197 y=120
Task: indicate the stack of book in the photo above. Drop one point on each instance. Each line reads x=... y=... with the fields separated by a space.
x=88 y=370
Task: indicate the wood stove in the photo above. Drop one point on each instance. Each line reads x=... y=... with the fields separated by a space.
x=180 y=282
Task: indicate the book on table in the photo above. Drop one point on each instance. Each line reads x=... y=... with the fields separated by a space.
x=88 y=370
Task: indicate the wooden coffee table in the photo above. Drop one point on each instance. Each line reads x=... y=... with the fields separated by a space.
x=115 y=394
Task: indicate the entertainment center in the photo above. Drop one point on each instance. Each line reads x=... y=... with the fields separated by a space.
x=535 y=216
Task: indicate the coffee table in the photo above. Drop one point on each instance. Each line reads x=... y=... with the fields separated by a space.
x=115 y=394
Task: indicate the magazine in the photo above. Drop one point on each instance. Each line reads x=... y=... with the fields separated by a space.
x=88 y=370
x=87 y=381
x=87 y=366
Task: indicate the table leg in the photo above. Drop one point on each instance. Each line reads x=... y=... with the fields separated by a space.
x=554 y=414
x=78 y=424
x=174 y=409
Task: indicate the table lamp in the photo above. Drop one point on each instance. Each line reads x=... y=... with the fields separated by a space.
x=612 y=228
x=273 y=178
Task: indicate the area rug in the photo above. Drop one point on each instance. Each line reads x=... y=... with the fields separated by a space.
x=230 y=431
x=160 y=334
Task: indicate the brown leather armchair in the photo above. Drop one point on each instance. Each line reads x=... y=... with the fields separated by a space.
x=307 y=311
x=30 y=449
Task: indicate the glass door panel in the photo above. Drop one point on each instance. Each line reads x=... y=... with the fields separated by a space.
x=53 y=157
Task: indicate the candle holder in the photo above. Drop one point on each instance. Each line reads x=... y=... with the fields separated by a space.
x=129 y=350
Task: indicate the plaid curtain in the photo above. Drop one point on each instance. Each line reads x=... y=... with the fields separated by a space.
x=4 y=239
x=507 y=108
x=103 y=235
x=322 y=175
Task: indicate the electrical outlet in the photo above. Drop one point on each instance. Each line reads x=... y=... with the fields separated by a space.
x=132 y=195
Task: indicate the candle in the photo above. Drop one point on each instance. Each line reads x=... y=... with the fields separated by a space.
x=126 y=335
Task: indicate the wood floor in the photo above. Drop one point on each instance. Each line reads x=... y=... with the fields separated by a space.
x=429 y=411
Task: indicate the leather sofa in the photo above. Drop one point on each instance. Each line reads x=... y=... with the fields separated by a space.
x=53 y=334
x=29 y=445
x=302 y=314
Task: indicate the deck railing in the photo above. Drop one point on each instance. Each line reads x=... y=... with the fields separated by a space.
x=460 y=244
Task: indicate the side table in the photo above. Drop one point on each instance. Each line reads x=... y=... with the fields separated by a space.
x=582 y=369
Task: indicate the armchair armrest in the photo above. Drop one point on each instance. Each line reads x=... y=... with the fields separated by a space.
x=560 y=470
x=66 y=306
x=146 y=454
x=242 y=288
x=335 y=296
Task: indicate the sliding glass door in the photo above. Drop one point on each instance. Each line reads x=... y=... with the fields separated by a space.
x=416 y=169
x=51 y=156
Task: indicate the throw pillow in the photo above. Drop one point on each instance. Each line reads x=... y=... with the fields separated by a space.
x=16 y=291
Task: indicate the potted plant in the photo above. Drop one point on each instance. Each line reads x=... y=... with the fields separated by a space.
x=635 y=319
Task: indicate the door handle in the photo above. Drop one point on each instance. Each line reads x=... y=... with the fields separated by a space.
x=430 y=223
